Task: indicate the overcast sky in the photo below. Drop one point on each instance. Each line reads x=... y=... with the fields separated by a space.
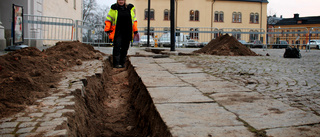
x=286 y=8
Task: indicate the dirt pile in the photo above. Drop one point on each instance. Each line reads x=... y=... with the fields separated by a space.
x=226 y=46
x=29 y=73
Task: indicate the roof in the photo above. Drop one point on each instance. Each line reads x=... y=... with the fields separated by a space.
x=263 y=1
x=299 y=20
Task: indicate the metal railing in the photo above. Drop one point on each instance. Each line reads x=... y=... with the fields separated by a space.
x=48 y=29
x=201 y=35
x=283 y=37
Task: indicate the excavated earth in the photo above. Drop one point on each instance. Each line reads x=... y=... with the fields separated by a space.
x=226 y=45
x=116 y=102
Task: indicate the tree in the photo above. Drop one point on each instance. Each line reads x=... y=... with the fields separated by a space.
x=94 y=13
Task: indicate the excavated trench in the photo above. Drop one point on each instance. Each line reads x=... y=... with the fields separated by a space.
x=115 y=103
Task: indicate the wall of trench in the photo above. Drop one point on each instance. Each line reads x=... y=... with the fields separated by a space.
x=93 y=118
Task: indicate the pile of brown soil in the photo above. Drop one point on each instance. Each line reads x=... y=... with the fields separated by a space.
x=226 y=46
x=28 y=74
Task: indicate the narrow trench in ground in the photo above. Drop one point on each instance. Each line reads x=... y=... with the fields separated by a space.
x=115 y=103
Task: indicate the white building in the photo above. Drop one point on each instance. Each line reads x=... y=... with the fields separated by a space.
x=53 y=8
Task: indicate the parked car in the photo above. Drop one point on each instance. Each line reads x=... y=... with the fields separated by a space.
x=144 y=39
x=281 y=44
x=13 y=48
x=192 y=44
x=314 y=44
x=257 y=44
x=243 y=42
x=164 y=41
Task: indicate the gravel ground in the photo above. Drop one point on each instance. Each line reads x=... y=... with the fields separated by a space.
x=293 y=81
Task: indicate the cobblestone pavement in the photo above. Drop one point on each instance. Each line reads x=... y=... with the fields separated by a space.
x=48 y=116
x=293 y=81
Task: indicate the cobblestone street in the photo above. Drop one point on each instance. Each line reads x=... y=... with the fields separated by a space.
x=295 y=82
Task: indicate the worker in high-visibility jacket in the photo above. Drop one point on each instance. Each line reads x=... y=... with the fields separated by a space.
x=121 y=25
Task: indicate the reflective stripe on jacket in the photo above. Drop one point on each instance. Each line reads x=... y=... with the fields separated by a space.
x=111 y=20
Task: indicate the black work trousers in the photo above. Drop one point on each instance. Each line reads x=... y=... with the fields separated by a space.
x=120 y=50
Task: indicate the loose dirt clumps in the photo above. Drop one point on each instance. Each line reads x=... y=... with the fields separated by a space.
x=226 y=45
x=29 y=73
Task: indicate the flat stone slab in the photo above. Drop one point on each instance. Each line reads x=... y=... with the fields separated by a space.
x=140 y=60
x=263 y=112
x=217 y=86
x=180 y=68
x=163 y=82
x=233 y=131
x=198 y=77
x=144 y=73
x=148 y=67
x=301 y=131
x=187 y=119
x=177 y=94
x=164 y=60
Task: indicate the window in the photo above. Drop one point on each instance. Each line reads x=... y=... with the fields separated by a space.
x=236 y=34
x=194 y=33
x=218 y=16
x=75 y=4
x=254 y=18
x=166 y=30
x=236 y=17
x=216 y=33
x=251 y=17
x=191 y=15
x=151 y=14
x=166 y=14
x=196 y=15
x=253 y=35
x=293 y=33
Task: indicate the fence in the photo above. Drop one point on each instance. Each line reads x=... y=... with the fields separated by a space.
x=203 y=35
x=295 y=37
x=48 y=29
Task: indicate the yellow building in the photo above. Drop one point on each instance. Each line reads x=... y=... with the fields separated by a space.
x=297 y=31
x=204 y=13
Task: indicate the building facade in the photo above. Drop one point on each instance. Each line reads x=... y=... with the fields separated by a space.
x=52 y=8
x=296 y=31
x=204 y=13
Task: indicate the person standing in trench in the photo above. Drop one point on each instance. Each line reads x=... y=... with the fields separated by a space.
x=121 y=24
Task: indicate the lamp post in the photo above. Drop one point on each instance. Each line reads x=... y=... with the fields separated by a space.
x=172 y=31
x=148 y=31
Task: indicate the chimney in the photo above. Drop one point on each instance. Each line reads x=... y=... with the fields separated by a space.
x=296 y=16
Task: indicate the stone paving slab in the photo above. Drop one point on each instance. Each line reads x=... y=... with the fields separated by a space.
x=217 y=86
x=148 y=73
x=150 y=67
x=200 y=131
x=179 y=68
x=263 y=112
x=177 y=94
x=300 y=131
x=188 y=118
x=198 y=77
x=163 y=81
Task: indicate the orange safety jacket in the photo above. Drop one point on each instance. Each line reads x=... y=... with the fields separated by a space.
x=111 y=20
